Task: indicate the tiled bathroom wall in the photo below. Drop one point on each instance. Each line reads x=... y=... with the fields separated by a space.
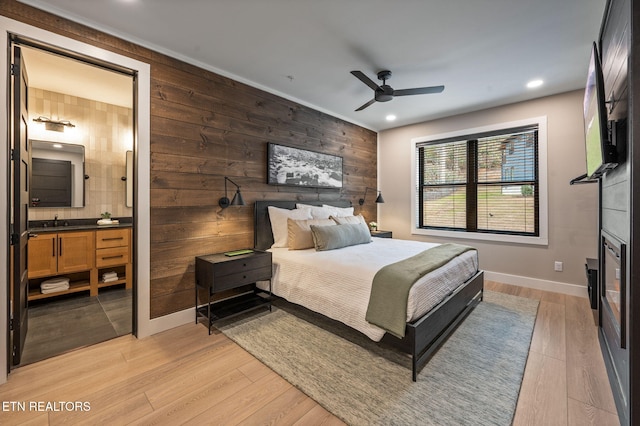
x=106 y=132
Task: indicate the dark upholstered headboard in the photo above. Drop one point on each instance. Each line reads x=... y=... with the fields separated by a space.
x=263 y=237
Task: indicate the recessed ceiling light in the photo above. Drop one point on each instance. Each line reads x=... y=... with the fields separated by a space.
x=534 y=83
x=391 y=117
x=57 y=145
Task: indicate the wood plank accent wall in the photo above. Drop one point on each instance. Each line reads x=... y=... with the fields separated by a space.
x=203 y=127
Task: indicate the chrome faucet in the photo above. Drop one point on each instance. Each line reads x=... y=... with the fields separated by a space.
x=55 y=221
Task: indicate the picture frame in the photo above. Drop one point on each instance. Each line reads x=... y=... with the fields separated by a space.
x=287 y=165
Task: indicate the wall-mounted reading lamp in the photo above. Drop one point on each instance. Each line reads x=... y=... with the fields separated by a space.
x=379 y=199
x=55 y=125
x=237 y=198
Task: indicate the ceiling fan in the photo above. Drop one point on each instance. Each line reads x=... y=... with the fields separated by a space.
x=385 y=92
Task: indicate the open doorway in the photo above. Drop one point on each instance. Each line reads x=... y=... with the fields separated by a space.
x=144 y=326
x=80 y=125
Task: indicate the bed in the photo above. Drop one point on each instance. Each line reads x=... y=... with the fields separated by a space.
x=337 y=284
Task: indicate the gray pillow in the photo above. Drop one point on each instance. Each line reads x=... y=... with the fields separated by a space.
x=338 y=236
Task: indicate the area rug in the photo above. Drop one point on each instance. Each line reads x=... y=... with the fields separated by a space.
x=473 y=379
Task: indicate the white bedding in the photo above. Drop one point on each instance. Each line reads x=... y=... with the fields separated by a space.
x=337 y=283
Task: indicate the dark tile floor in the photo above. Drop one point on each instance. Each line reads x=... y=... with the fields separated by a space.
x=65 y=323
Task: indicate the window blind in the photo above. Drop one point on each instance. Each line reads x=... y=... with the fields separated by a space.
x=480 y=183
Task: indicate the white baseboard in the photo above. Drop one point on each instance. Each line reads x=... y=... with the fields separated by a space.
x=167 y=322
x=538 y=284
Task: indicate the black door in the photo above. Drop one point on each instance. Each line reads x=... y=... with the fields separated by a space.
x=20 y=203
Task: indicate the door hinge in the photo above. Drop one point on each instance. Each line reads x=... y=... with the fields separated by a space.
x=11 y=324
x=13 y=69
x=11 y=155
x=14 y=239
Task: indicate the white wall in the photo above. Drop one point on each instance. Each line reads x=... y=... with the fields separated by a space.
x=573 y=210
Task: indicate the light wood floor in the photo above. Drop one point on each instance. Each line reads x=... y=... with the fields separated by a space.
x=184 y=376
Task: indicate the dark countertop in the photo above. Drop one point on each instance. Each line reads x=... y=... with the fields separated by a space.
x=75 y=225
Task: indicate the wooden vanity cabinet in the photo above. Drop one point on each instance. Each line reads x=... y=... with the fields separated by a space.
x=82 y=256
x=60 y=253
x=43 y=255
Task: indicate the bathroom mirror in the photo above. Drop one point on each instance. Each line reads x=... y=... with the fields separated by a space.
x=57 y=175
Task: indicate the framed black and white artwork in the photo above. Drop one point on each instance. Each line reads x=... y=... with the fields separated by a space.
x=287 y=165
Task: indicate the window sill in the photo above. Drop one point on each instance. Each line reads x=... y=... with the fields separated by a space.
x=502 y=238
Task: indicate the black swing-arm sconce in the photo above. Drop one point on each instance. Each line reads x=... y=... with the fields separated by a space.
x=379 y=198
x=237 y=198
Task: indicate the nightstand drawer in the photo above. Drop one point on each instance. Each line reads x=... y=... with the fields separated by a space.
x=238 y=279
x=112 y=257
x=245 y=263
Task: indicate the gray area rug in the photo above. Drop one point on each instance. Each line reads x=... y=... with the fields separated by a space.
x=473 y=379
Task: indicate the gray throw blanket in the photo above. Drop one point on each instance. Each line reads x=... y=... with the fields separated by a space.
x=390 y=290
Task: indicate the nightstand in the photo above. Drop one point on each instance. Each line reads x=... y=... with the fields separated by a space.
x=218 y=272
x=382 y=234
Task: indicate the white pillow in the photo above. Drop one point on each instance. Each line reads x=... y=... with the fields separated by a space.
x=278 y=218
x=339 y=211
x=341 y=220
x=317 y=212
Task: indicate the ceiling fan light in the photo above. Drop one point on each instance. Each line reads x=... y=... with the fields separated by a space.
x=535 y=83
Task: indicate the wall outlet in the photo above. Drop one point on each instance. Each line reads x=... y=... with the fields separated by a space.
x=557 y=266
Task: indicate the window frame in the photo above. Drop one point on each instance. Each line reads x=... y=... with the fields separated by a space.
x=541 y=239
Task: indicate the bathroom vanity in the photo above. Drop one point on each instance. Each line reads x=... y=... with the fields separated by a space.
x=82 y=253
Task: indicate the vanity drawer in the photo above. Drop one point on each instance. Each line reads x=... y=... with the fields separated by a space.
x=107 y=238
x=112 y=256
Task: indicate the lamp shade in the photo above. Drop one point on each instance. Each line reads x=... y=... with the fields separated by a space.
x=237 y=199
x=379 y=199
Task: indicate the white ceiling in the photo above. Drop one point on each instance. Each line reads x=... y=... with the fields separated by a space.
x=483 y=51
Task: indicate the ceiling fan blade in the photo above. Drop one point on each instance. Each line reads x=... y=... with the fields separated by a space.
x=366 y=80
x=418 y=91
x=366 y=105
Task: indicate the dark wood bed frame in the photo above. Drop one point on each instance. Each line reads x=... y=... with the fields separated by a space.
x=424 y=335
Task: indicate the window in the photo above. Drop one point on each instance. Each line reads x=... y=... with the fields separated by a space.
x=483 y=183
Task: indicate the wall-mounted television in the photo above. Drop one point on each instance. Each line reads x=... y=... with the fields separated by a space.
x=601 y=153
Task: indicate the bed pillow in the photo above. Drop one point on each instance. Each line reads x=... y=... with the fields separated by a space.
x=338 y=236
x=278 y=218
x=317 y=212
x=299 y=232
x=339 y=211
x=349 y=219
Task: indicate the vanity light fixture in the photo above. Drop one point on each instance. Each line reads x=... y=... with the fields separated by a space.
x=237 y=198
x=55 y=125
x=379 y=198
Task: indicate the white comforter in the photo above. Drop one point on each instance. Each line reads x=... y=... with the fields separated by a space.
x=337 y=283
